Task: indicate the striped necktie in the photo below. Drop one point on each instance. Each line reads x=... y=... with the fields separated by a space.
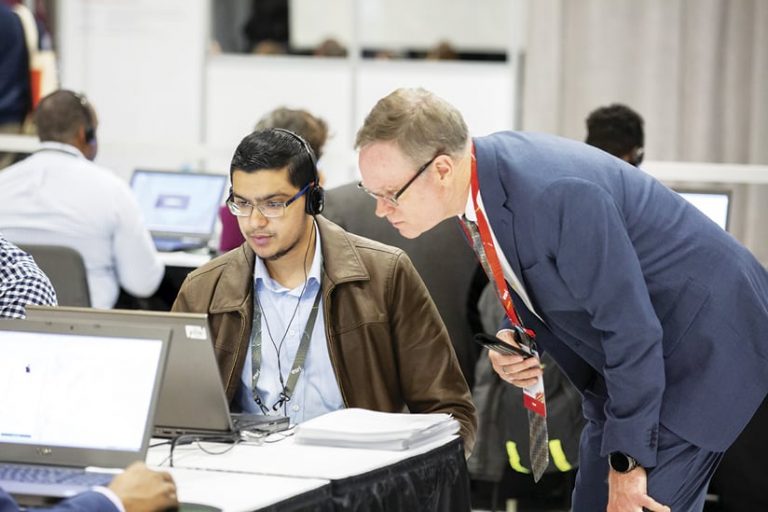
x=537 y=424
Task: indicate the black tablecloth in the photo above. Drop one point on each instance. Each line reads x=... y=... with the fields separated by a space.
x=436 y=481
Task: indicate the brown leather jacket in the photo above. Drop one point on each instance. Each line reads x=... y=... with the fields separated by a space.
x=388 y=346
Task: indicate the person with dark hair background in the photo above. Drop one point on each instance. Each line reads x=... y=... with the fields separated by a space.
x=618 y=130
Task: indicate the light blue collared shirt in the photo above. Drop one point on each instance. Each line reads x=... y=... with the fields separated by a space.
x=317 y=391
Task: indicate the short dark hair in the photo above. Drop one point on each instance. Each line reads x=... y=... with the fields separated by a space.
x=616 y=129
x=61 y=114
x=275 y=149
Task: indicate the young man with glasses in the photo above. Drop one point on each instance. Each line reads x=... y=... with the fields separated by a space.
x=656 y=314
x=307 y=318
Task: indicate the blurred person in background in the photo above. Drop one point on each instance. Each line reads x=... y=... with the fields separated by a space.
x=618 y=130
x=58 y=196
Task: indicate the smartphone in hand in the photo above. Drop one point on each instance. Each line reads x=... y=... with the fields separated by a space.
x=494 y=343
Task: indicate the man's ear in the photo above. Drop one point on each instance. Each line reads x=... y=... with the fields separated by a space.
x=88 y=149
x=445 y=166
x=80 y=136
x=78 y=140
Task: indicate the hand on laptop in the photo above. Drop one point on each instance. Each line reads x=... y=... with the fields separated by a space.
x=143 y=490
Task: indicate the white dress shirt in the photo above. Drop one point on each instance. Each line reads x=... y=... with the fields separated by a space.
x=58 y=197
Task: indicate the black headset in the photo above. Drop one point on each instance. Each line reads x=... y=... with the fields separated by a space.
x=315 y=194
x=90 y=130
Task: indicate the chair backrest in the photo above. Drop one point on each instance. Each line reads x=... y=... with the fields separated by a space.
x=65 y=268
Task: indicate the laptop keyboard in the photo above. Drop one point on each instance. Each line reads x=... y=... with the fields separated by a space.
x=52 y=475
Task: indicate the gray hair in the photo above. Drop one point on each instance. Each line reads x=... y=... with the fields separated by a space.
x=419 y=122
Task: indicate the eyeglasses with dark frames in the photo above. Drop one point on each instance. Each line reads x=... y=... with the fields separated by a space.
x=393 y=198
x=270 y=209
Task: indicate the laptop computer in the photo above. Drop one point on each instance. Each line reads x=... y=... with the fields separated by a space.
x=715 y=204
x=180 y=209
x=192 y=398
x=73 y=399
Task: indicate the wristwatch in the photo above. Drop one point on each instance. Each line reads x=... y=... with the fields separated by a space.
x=621 y=462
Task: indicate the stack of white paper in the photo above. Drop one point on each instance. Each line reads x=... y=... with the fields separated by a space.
x=361 y=428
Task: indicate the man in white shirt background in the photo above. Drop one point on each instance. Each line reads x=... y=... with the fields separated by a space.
x=58 y=196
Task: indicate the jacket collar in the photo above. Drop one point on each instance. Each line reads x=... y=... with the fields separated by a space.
x=341 y=264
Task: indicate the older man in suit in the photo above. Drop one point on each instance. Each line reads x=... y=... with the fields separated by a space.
x=656 y=314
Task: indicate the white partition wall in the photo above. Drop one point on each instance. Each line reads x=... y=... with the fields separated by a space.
x=241 y=89
x=141 y=64
x=483 y=92
x=468 y=24
x=165 y=103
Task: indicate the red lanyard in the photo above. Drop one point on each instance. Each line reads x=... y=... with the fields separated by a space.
x=502 y=290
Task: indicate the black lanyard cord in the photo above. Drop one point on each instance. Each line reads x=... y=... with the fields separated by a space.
x=298 y=361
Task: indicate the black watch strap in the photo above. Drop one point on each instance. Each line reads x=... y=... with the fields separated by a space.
x=621 y=462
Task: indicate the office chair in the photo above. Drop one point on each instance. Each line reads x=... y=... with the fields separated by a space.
x=65 y=268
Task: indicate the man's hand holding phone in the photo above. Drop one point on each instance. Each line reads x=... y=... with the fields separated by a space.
x=514 y=364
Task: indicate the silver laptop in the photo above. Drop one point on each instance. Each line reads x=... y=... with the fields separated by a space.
x=72 y=399
x=192 y=398
x=180 y=209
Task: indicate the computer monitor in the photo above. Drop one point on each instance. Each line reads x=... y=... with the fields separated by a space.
x=714 y=204
x=179 y=208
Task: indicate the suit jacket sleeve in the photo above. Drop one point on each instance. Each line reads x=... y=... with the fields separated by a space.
x=596 y=260
x=84 y=502
x=420 y=335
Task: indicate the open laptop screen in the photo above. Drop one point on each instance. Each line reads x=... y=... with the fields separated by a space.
x=179 y=203
x=714 y=205
x=77 y=391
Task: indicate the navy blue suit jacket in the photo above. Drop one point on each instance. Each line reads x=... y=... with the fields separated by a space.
x=85 y=502
x=654 y=312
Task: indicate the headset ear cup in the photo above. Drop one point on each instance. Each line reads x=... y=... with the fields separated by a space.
x=320 y=200
x=315 y=200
